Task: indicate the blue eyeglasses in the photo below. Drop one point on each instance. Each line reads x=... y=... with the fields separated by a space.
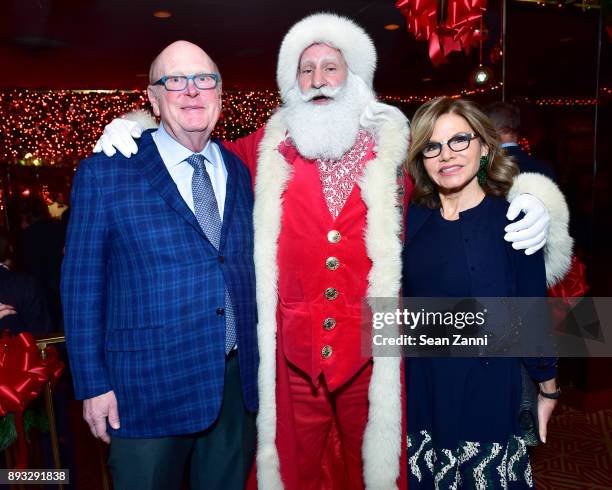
x=176 y=83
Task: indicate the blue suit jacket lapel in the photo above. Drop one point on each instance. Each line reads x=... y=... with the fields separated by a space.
x=156 y=172
x=231 y=189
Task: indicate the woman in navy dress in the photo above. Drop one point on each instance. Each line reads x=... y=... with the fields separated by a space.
x=462 y=413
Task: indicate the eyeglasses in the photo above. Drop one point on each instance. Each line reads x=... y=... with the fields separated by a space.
x=176 y=83
x=457 y=143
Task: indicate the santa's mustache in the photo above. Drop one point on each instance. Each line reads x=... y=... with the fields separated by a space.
x=329 y=92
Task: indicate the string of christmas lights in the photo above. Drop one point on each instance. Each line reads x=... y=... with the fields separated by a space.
x=54 y=126
x=584 y=5
x=558 y=101
x=61 y=127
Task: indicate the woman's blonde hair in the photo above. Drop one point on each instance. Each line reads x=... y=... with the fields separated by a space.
x=501 y=170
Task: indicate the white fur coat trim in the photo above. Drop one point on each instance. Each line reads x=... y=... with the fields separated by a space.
x=379 y=186
x=273 y=174
x=559 y=245
x=144 y=119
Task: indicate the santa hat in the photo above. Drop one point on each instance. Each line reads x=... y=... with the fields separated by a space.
x=336 y=31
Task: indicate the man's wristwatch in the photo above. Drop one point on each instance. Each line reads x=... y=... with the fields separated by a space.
x=551 y=396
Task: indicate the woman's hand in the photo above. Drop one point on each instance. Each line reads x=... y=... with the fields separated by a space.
x=546 y=407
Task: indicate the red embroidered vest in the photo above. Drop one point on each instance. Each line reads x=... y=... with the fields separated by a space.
x=323 y=277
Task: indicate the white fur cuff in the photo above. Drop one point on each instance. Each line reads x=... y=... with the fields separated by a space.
x=559 y=245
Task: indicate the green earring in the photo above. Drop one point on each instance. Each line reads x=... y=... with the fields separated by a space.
x=482 y=170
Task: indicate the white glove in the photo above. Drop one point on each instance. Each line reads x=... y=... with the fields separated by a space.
x=531 y=232
x=119 y=134
x=377 y=113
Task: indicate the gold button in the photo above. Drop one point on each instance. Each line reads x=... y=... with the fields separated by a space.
x=331 y=294
x=329 y=324
x=326 y=352
x=332 y=263
x=334 y=236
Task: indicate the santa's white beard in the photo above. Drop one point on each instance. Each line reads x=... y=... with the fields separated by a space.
x=327 y=131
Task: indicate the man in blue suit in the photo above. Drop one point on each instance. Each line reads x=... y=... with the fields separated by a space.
x=158 y=292
x=506 y=119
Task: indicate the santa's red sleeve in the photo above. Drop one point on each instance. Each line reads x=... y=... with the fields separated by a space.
x=246 y=149
x=408 y=189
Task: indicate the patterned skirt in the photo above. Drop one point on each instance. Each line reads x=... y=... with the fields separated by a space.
x=470 y=465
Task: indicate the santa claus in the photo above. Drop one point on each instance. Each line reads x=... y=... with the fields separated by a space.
x=329 y=193
x=327 y=229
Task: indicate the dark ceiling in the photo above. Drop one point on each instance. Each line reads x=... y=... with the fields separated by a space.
x=108 y=44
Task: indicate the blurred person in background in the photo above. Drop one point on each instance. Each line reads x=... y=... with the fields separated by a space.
x=506 y=119
x=40 y=249
x=22 y=303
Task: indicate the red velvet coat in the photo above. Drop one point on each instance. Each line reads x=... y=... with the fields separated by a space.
x=301 y=250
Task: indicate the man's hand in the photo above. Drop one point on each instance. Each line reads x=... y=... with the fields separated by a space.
x=531 y=232
x=6 y=310
x=95 y=412
x=119 y=134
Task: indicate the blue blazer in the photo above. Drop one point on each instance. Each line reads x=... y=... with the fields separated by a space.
x=143 y=292
x=527 y=163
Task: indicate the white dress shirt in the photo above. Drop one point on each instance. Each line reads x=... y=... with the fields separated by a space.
x=174 y=155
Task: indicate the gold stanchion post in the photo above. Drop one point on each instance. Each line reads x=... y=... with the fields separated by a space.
x=42 y=343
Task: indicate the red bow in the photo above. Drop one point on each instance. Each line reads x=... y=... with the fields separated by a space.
x=420 y=16
x=22 y=376
x=456 y=33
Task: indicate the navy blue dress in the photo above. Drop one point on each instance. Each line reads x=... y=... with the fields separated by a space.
x=462 y=413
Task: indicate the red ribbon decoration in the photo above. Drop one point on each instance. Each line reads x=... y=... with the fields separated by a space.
x=456 y=33
x=420 y=17
x=22 y=376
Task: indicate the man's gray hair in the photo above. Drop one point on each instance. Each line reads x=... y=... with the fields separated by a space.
x=506 y=118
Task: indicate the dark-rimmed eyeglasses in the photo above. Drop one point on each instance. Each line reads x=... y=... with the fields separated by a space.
x=176 y=83
x=457 y=143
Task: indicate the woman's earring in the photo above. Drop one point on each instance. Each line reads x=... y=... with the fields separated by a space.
x=482 y=170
